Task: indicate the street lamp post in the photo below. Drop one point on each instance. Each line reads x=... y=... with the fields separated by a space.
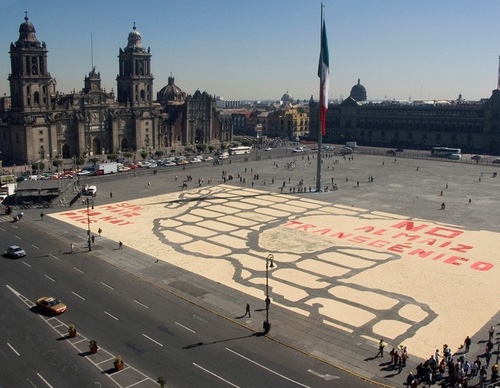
x=269 y=264
x=88 y=225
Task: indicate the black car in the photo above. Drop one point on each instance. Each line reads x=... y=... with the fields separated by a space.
x=391 y=153
x=400 y=150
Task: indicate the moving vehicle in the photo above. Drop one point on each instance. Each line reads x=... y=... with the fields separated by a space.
x=84 y=172
x=106 y=168
x=90 y=190
x=7 y=190
x=400 y=150
x=455 y=156
x=268 y=149
x=445 y=151
x=496 y=161
x=391 y=153
x=298 y=149
x=351 y=144
x=15 y=251
x=223 y=155
x=239 y=150
x=50 y=305
x=476 y=157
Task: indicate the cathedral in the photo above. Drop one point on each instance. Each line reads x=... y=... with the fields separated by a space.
x=37 y=123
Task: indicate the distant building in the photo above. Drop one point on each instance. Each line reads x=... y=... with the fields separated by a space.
x=358 y=92
x=39 y=123
x=473 y=126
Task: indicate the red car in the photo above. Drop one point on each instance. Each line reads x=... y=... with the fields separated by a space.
x=50 y=305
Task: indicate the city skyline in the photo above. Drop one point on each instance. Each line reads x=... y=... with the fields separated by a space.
x=260 y=50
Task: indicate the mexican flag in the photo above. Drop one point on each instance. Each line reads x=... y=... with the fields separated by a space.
x=324 y=75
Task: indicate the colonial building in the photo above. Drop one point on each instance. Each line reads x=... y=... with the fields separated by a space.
x=473 y=126
x=39 y=123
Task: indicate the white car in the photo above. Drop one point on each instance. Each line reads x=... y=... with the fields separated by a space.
x=208 y=159
x=195 y=160
x=124 y=169
x=84 y=172
x=298 y=149
x=268 y=149
x=169 y=164
x=15 y=252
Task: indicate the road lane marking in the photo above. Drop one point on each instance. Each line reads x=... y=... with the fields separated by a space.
x=54 y=257
x=78 y=269
x=2 y=229
x=35 y=246
x=152 y=340
x=185 y=327
x=141 y=304
x=16 y=236
x=48 y=277
x=26 y=264
x=266 y=368
x=74 y=293
x=45 y=381
x=12 y=348
x=112 y=316
x=323 y=376
x=213 y=374
x=107 y=285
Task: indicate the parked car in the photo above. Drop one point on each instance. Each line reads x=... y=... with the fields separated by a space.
x=298 y=149
x=391 y=153
x=50 y=305
x=476 y=157
x=124 y=169
x=15 y=251
x=496 y=161
x=268 y=149
x=84 y=172
x=400 y=150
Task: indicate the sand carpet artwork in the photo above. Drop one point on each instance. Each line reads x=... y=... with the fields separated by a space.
x=371 y=274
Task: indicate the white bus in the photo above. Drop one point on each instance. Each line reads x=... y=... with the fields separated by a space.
x=445 y=151
x=239 y=150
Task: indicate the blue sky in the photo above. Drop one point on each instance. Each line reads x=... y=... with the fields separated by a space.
x=259 y=49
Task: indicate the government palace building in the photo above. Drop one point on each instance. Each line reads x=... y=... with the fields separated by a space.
x=39 y=123
x=472 y=126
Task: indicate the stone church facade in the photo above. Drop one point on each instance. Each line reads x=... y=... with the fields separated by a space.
x=39 y=123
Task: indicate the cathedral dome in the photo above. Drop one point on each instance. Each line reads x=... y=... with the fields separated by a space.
x=27 y=31
x=287 y=97
x=358 y=92
x=134 y=39
x=171 y=93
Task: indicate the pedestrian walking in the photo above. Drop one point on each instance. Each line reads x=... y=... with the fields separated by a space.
x=491 y=332
x=470 y=201
x=93 y=239
x=99 y=231
x=71 y=247
x=381 y=346
x=110 y=194
x=149 y=184
x=41 y=215
x=247 y=311
x=467 y=344
x=443 y=206
x=120 y=245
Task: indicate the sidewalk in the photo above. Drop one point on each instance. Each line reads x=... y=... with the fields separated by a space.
x=306 y=334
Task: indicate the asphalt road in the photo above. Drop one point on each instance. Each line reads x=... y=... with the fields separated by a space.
x=153 y=330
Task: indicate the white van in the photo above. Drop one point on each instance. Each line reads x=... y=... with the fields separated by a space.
x=455 y=156
x=90 y=190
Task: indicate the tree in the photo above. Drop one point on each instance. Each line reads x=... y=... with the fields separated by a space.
x=144 y=154
x=128 y=154
x=79 y=161
x=112 y=157
x=38 y=166
x=159 y=153
x=200 y=148
x=57 y=163
x=211 y=148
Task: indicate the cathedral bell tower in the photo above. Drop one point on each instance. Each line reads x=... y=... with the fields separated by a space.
x=31 y=85
x=135 y=81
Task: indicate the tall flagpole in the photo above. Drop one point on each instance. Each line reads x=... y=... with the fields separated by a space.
x=320 y=137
